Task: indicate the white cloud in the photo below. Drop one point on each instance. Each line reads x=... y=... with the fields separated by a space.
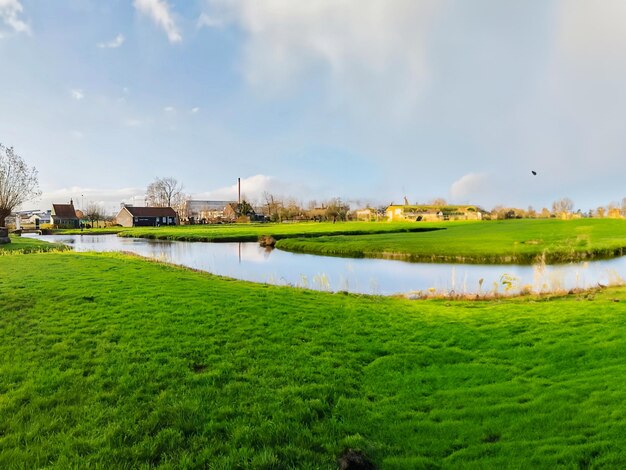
x=207 y=21
x=114 y=43
x=159 y=12
x=77 y=134
x=195 y=110
x=77 y=94
x=469 y=187
x=109 y=199
x=366 y=48
x=169 y=109
x=253 y=188
x=10 y=11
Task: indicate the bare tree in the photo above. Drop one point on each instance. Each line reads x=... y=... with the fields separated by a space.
x=18 y=182
x=561 y=206
x=167 y=192
x=337 y=209
x=439 y=202
x=95 y=213
x=623 y=209
x=164 y=192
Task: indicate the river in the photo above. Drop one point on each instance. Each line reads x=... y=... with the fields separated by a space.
x=250 y=262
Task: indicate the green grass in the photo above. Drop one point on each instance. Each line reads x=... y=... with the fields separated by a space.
x=21 y=245
x=512 y=241
x=110 y=361
x=88 y=231
x=252 y=232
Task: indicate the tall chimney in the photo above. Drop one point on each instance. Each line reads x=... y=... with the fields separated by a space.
x=238 y=190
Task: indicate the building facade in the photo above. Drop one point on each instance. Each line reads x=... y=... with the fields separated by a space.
x=130 y=216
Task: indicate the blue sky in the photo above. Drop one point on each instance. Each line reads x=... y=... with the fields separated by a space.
x=368 y=100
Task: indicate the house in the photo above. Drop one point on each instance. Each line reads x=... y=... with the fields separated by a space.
x=64 y=216
x=367 y=214
x=29 y=219
x=131 y=216
x=241 y=212
x=202 y=212
x=419 y=213
x=615 y=213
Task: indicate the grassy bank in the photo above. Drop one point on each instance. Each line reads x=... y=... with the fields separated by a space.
x=252 y=232
x=112 y=361
x=512 y=241
x=89 y=231
x=21 y=245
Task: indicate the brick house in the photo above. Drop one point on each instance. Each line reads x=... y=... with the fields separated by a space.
x=64 y=216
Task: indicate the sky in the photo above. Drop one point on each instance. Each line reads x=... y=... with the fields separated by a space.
x=367 y=100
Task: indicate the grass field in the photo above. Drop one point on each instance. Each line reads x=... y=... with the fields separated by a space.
x=109 y=361
x=252 y=232
x=511 y=241
x=29 y=245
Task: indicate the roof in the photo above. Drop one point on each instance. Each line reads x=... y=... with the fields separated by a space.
x=431 y=208
x=65 y=211
x=151 y=211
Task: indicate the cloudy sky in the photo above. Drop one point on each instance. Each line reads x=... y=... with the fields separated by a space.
x=367 y=100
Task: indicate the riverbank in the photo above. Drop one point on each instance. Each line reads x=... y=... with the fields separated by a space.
x=178 y=368
x=496 y=242
x=254 y=232
x=22 y=245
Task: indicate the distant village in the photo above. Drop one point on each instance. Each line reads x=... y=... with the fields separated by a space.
x=195 y=212
x=166 y=205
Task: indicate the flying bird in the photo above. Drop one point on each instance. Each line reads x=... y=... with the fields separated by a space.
x=533 y=172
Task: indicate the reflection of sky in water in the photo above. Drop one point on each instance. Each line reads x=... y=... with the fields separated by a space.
x=251 y=262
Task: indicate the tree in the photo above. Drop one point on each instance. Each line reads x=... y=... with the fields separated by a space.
x=438 y=202
x=94 y=213
x=272 y=206
x=336 y=209
x=18 y=182
x=166 y=192
x=561 y=206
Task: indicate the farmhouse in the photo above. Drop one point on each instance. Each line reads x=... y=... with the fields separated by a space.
x=432 y=213
x=64 y=216
x=366 y=214
x=130 y=216
x=202 y=212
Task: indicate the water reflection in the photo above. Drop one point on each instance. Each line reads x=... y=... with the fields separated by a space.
x=251 y=262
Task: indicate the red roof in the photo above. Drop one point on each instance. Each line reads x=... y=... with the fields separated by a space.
x=151 y=211
x=65 y=211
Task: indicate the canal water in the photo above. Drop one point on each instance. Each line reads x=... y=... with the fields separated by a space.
x=250 y=262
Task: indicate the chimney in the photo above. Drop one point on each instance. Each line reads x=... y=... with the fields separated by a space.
x=238 y=190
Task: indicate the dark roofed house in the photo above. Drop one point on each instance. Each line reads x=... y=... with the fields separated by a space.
x=130 y=216
x=64 y=216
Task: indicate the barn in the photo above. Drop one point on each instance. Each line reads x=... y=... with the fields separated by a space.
x=130 y=216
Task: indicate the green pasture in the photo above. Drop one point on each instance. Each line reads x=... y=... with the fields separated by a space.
x=21 y=245
x=252 y=232
x=111 y=361
x=508 y=241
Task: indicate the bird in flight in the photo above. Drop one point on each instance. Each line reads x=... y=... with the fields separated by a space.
x=533 y=172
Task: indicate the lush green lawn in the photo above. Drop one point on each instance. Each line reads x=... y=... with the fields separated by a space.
x=252 y=232
x=114 y=362
x=511 y=241
x=29 y=245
